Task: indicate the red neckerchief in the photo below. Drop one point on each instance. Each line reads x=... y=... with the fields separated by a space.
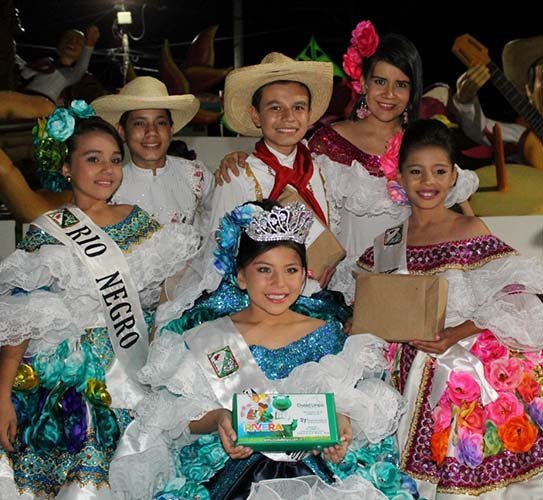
x=298 y=176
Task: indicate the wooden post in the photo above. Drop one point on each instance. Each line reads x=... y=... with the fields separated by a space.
x=499 y=159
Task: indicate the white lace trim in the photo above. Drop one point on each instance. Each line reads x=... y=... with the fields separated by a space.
x=492 y=298
x=72 y=304
x=361 y=193
x=353 y=487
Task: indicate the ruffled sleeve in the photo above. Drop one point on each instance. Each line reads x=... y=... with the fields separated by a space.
x=500 y=296
x=162 y=255
x=357 y=191
x=50 y=279
x=466 y=184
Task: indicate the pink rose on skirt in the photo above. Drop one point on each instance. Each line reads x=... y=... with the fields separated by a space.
x=505 y=407
x=505 y=374
x=462 y=387
x=487 y=348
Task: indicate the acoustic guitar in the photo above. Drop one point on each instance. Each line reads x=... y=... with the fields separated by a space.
x=472 y=53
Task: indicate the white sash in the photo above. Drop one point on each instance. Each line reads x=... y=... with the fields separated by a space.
x=227 y=362
x=114 y=285
x=230 y=368
x=389 y=250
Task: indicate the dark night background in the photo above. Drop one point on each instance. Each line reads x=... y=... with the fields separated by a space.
x=285 y=26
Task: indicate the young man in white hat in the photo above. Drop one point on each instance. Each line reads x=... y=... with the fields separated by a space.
x=277 y=99
x=172 y=189
x=523 y=66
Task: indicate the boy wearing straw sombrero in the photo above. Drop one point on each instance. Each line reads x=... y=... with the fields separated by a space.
x=277 y=100
x=172 y=189
x=523 y=66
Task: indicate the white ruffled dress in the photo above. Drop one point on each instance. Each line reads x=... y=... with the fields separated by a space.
x=474 y=420
x=74 y=397
x=159 y=456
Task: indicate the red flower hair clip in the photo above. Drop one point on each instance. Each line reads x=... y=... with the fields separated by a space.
x=364 y=42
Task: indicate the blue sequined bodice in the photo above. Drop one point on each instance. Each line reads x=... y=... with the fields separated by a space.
x=278 y=363
x=130 y=231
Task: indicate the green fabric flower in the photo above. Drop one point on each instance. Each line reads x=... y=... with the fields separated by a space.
x=492 y=444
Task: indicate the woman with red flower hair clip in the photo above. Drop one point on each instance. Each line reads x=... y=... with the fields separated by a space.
x=386 y=72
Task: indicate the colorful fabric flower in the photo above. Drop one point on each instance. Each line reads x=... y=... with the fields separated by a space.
x=529 y=387
x=81 y=109
x=439 y=444
x=504 y=408
x=487 y=348
x=492 y=444
x=469 y=449
x=386 y=477
x=352 y=65
x=364 y=43
x=504 y=374
x=227 y=237
x=462 y=387
x=60 y=124
x=389 y=160
x=472 y=417
x=535 y=410
x=518 y=434
x=397 y=193
x=442 y=415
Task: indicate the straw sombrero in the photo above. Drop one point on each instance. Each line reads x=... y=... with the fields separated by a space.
x=241 y=84
x=517 y=57
x=146 y=92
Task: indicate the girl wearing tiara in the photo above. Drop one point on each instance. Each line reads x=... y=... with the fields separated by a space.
x=182 y=444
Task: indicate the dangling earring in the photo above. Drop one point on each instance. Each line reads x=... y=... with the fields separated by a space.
x=405 y=117
x=68 y=178
x=363 y=110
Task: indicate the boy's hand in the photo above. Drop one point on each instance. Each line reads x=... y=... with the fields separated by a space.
x=231 y=163
x=228 y=436
x=92 y=34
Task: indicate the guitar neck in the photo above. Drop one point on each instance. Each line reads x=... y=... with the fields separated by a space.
x=518 y=101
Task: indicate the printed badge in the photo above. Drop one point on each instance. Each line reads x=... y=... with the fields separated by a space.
x=223 y=362
x=393 y=236
x=63 y=218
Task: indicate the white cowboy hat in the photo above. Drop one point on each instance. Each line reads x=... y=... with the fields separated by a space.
x=518 y=56
x=242 y=83
x=146 y=92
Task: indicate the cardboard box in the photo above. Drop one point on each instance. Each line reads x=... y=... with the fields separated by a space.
x=323 y=248
x=400 y=307
x=285 y=422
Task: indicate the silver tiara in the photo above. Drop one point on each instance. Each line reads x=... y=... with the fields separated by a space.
x=292 y=223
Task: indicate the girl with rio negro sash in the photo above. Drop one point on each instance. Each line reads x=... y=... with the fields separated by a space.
x=76 y=299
